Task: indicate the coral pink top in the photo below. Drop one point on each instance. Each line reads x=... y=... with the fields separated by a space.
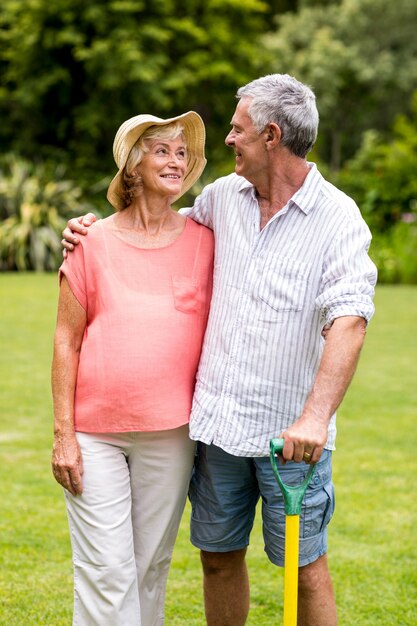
x=146 y=311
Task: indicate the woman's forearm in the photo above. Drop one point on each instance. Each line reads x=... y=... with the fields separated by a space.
x=66 y=456
x=64 y=378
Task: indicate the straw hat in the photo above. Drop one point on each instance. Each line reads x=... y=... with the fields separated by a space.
x=131 y=130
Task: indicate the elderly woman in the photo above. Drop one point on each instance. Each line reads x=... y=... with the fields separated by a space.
x=133 y=306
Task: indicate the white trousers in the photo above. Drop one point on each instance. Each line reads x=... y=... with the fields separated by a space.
x=124 y=525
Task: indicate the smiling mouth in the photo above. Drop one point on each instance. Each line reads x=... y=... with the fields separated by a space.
x=171 y=176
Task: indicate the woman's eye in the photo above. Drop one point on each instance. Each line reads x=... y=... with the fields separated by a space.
x=181 y=154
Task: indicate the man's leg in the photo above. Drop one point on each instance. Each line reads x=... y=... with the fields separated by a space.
x=316 y=602
x=223 y=492
x=226 y=587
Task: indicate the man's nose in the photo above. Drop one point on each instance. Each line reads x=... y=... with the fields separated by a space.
x=230 y=139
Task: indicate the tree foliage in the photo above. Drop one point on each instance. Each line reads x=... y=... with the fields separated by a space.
x=382 y=174
x=360 y=57
x=382 y=179
x=72 y=71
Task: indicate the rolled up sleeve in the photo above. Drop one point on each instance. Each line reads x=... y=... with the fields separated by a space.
x=349 y=276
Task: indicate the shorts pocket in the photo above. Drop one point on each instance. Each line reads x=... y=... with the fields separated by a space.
x=318 y=510
x=187 y=295
x=329 y=508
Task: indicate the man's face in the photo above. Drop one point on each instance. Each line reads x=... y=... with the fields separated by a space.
x=247 y=143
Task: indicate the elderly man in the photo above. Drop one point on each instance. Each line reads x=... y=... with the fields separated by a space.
x=291 y=266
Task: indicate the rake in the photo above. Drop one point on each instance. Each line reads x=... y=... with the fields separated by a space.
x=293 y=498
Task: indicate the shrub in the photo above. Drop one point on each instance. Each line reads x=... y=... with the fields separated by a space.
x=394 y=253
x=35 y=202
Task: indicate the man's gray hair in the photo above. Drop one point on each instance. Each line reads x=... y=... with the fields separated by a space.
x=283 y=100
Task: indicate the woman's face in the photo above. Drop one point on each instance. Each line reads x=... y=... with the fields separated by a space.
x=163 y=168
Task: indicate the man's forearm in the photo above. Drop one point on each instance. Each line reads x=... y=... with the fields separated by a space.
x=337 y=367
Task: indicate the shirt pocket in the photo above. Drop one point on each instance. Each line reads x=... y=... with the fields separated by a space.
x=187 y=294
x=283 y=284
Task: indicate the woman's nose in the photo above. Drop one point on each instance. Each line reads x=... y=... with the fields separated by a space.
x=175 y=159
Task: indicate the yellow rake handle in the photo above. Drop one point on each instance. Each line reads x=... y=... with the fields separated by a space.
x=292 y=531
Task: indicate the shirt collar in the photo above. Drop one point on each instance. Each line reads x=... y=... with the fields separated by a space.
x=244 y=184
x=305 y=198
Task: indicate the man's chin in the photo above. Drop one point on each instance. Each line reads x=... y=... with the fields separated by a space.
x=239 y=169
x=241 y=172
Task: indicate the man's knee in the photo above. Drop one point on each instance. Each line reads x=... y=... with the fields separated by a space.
x=313 y=576
x=218 y=563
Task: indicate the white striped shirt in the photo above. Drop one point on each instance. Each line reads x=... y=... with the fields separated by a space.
x=274 y=290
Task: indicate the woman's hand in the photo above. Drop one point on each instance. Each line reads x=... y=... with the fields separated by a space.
x=67 y=463
x=75 y=225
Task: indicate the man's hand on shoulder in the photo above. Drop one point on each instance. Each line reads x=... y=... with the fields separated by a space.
x=76 y=225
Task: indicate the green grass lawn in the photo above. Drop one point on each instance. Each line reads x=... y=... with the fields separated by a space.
x=373 y=539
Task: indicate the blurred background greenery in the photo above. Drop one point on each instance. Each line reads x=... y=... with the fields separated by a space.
x=71 y=72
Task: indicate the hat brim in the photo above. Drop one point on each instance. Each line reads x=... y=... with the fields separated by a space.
x=129 y=133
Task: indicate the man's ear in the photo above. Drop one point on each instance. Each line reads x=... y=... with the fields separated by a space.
x=273 y=136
